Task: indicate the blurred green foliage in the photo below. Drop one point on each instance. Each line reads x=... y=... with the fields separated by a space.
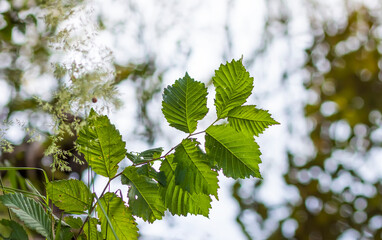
x=32 y=34
x=338 y=192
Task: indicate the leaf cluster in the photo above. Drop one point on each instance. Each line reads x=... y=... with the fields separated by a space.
x=183 y=184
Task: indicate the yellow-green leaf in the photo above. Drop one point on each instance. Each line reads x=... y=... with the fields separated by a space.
x=70 y=195
x=177 y=200
x=233 y=86
x=193 y=172
x=184 y=103
x=102 y=145
x=91 y=231
x=250 y=120
x=236 y=153
x=144 y=198
x=120 y=218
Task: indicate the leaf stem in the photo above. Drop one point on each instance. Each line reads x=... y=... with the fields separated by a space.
x=2 y=188
x=193 y=134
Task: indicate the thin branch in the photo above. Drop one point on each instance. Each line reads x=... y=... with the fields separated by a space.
x=193 y=134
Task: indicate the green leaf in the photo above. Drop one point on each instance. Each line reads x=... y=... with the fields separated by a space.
x=107 y=219
x=150 y=172
x=234 y=152
x=90 y=230
x=250 y=120
x=120 y=217
x=64 y=233
x=145 y=155
x=72 y=195
x=144 y=197
x=177 y=200
x=30 y=212
x=101 y=145
x=233 y=86
x=184 y=103
x=73 y=222
x=193 y=172
x=12 y=231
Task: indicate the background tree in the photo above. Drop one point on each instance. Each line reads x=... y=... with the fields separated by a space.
x=33 y=35
x=339 y=192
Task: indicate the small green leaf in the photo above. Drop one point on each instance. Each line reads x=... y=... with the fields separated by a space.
x=144 y=197
x=73 y=222
x=234 y=152
x=101 y=145
x=30 y=212
x=184 y=103
x=145 y=155
x=150 y=172
x=250 y=120
x=12 y=231
x=177 y=200
x=70 y=195
x=193 y=172
x=120 y=217
x=233 y=86
x=64 y=233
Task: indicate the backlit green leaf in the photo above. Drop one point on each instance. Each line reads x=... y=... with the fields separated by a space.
x=193 y=172
x=30 y=212
x=233 y=86
x=101 y=145
x=177 y=200
x=91 y=231
x=144 y=198
x=234 y=152
x=70 y=195
x=250 y=120
x=120 y=217
x=150 y=172
x=184 y=103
